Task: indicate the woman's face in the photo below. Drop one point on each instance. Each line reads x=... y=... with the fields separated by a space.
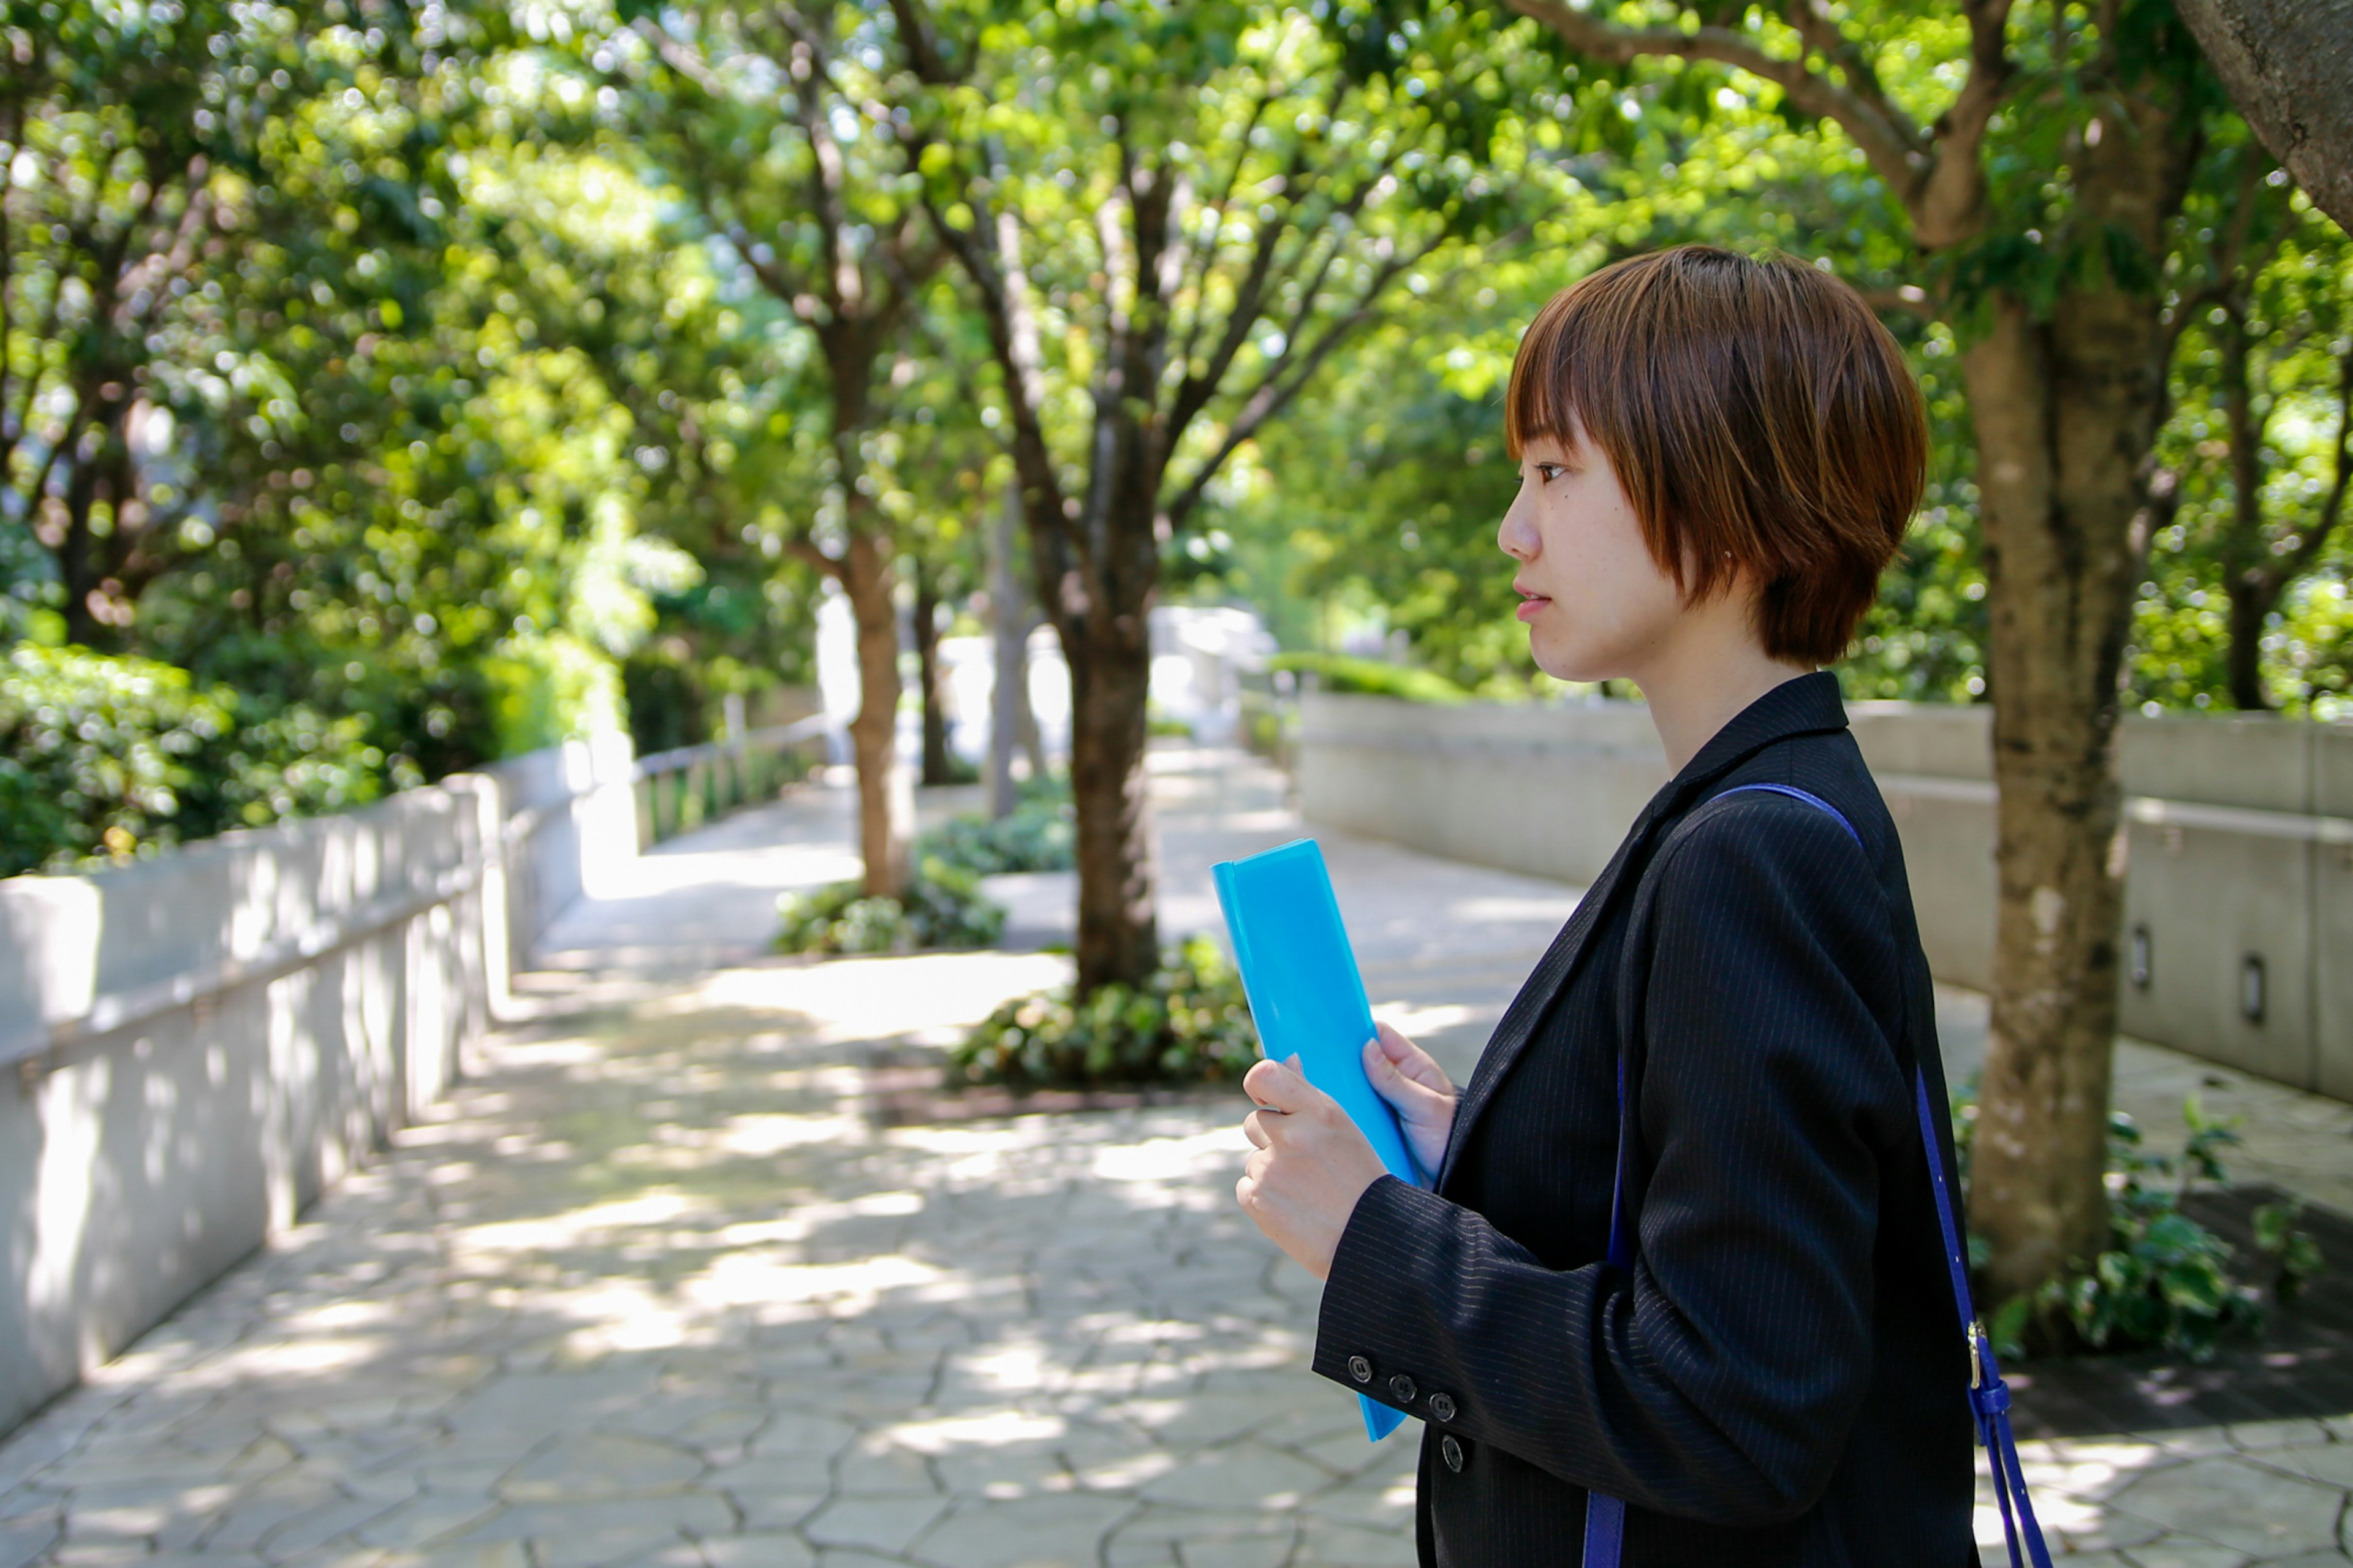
x=1596 y=605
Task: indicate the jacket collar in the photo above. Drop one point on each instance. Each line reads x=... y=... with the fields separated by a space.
x=1804 y=705
x=1808 y=704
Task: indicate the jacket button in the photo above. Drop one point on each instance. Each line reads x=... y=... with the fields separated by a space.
x=1451 y=1452
x=1360 y=1368
x=1402 y=1389
x=1441 y=1407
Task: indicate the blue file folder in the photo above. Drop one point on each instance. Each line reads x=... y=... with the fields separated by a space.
x=1308 y=1000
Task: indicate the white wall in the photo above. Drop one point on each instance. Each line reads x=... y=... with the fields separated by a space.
x=2238 y=842
x=197 y=1046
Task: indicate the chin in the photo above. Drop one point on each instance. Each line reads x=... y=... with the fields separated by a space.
x=1571 y=664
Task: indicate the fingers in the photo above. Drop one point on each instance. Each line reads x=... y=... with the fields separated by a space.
x=1283 y=1087
x=1255 y=1130
x=1268 y=1083
x=1409 y=1061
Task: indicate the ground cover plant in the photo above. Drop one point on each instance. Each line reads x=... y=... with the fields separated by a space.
x=940 y=905
x=1037 y=835
x=2164 y=1281
x=1188 y=1024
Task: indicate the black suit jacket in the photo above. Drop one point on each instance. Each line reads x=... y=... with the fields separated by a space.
x=1780 y=1377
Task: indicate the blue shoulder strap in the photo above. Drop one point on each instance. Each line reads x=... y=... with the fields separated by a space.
x=1605 y=1517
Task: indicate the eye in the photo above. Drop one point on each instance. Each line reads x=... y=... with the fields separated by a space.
x=1547 y=473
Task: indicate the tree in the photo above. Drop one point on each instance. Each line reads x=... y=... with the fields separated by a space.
x=771 y=124
x=2289 y=66
x=2039 y=192
x=178 y=177
x=1165 y=247
x=2254 y=456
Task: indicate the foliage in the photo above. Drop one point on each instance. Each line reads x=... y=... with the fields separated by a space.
x=2296 y=1256
x=1038 y=835
x=941 y=906
x=2165 y=1281
x=105 y=757
x=1188 y=1024
x=2263 y=367
x=1372 y=677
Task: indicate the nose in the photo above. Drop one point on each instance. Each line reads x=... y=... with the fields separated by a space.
x=1516 y=536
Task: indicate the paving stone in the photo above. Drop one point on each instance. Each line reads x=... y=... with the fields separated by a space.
x=2181 y=1552
x=760 y=1549
x=600 y=1465
x=425 y=1521
x=1244 y=1475
x=2233 y=1503
x=1048 y=1531
x=22 y=1540
x=1321 y=1543
x=875 y=1523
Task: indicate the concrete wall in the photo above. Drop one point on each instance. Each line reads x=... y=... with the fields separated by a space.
x=2238 y=842
x=196 y=1046
x=569 y=824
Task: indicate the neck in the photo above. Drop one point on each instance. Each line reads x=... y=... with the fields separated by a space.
x=1698 y=681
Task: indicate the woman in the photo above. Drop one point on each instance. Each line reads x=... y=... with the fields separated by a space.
x=1718 y=456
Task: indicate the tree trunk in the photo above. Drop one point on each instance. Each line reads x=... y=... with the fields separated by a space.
x=2251 y=602
x=939 y=767
x=1008 y=704
x=2289 y=66
x=882 y=805
x=2065 y=410
x=1111 y=677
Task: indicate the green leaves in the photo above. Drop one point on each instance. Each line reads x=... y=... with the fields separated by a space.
x=941 y=907
x=2165 y=1281
x=102 y=759
x=1190 y=1024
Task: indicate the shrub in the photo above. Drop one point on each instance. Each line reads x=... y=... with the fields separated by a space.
x=1190 y=1024
x=940 y=907
x=1038 y=835
x=105 y=758
x=2165 y=1281
x=1372 y=677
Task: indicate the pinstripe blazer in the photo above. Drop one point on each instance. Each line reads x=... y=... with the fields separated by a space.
x=1777 y=1379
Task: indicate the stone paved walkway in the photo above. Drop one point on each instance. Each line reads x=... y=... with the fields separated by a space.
x=654 y=1287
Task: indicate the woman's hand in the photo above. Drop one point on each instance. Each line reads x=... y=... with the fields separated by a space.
x=1310 y=1164
x=1417 y=1088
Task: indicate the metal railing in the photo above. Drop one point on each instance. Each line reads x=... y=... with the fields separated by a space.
x=679 y=791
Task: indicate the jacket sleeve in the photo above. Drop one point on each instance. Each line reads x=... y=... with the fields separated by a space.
x=1717 y=1379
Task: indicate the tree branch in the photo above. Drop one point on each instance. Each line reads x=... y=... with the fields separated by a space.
x=1894 y=146
x=1936 y=175
x=1284 y=379
x=2307 y=549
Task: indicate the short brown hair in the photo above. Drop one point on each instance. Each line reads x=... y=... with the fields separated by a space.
x=1758 y=416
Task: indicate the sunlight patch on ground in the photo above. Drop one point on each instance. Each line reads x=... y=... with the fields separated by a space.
x=1173 y=1159
x=1503 y=909
x=1410 y=1020
x=753 y=1278
x=853 y=999
x=597 y=1223
x=997 y=1428
x=771 y=1133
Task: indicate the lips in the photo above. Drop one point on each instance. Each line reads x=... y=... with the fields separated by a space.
x=1530 y=605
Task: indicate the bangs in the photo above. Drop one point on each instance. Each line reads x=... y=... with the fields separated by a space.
x=1570 y=377
x=1534 y=403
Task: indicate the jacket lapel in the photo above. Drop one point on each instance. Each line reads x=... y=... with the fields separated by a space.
x=1537 y=994
x=1805 y=705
